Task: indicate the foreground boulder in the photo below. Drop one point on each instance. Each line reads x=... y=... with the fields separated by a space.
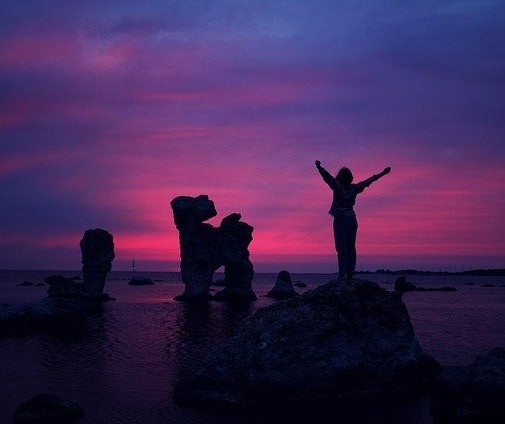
x=471 y=394
x=46 y=408
x=338 y=341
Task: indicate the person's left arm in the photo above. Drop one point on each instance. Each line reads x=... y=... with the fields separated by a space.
x=366 y=183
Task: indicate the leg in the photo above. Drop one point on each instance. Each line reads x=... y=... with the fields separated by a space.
x=352 y=230
x=340 y=245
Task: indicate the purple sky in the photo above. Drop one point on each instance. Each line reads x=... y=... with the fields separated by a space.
x=109 y=109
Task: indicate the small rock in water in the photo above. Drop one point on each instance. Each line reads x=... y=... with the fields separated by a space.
x=402 y=285
x=141 y=281
x=283 y=288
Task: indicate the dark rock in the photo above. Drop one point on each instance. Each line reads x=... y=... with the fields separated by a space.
x=402 y=285
x=234 y=237
x=195 y=239
x=488 y=285
x=46 y=409
x=39 y=284
x=141 y=281
x=190 y=211
x=471 y=394
x=283 y=288
x=338 y=341
x=47 y=315
x=204 y=249
x=25 y=284
x=60 y=286
x=97 y=248
x=439 y=289
x=299 y=284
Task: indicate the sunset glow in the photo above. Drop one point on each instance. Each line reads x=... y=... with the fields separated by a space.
x=108 y=110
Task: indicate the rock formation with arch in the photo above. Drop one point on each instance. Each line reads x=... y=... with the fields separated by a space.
x=205 y=248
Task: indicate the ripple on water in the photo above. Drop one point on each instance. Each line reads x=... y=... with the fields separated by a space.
x=122 y=366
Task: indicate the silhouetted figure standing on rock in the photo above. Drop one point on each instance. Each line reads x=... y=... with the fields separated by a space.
x=345 y=224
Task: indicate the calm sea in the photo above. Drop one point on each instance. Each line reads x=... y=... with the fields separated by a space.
x=123 y=365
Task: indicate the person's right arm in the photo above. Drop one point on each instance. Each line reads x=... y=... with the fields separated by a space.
x=328 y=179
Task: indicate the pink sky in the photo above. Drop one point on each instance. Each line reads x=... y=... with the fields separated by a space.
x=110 y=109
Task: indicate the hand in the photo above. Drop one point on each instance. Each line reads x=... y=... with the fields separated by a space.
x=318 y=163
x=386 y=170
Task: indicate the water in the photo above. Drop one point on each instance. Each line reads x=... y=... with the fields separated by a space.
x=122 y=366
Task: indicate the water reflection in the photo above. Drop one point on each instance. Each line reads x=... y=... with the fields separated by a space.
x=193 y=337
x=74 y=361
x=202 y=326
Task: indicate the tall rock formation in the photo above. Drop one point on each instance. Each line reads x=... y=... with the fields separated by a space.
x=234 y=237
x=97 y=247
x=205 y=248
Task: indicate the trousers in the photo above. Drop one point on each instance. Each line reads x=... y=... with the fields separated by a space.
x=345 y=229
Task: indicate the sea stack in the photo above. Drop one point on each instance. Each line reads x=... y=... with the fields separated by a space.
x=97 y=247
x=234 y=238
x=205 y=248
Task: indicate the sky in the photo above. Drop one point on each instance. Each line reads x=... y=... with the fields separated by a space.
x=110 y=109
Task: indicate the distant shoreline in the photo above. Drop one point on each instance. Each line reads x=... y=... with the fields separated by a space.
x=498 y=272
x=491 y=272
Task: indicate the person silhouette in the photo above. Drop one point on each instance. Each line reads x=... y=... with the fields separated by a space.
x=345 y=224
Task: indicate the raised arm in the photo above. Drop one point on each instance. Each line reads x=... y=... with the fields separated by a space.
x=373 y=178
x=328 y=179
